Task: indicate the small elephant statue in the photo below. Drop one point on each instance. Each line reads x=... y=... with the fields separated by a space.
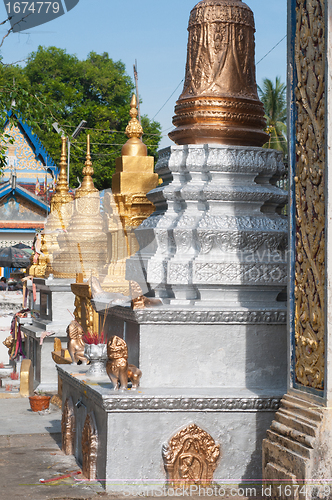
x=75 y=343
x=117 y=366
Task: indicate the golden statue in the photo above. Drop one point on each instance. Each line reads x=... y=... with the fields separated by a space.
x=219 y=102
x=117 y=366
x=75 y=342
x=9 y=342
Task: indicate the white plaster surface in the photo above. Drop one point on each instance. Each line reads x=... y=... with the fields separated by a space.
x=62 y=314
x=251 y=356
x=130 y=440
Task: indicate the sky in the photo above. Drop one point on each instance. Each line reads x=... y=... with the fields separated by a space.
x=153 y=32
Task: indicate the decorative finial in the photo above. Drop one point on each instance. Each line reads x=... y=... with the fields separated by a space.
x=62 y=184
x=134 y=130
x=87 y=183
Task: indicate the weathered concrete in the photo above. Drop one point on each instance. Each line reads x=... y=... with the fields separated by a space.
x=134 y=424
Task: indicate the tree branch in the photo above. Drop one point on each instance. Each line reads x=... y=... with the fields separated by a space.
x=11 y=29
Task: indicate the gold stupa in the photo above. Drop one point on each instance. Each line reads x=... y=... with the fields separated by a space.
x=57 y=221
x=128 y=205
x=219 y=102
x=83 y=247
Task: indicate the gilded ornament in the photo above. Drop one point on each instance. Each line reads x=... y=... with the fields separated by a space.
x=8 y=342
x=58 y=219
x=128 y=206
x=117 y=366
x=219 y=102
x=190 y=458
x=309 y=194
x=134 y=130
x=68 y=427
x=90 y=447
x=75 y=342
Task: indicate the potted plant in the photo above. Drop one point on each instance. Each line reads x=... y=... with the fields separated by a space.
x=96 y=352
x=39 y=401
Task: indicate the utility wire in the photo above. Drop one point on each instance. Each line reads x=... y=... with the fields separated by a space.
x=269 y=52
x=167 y=99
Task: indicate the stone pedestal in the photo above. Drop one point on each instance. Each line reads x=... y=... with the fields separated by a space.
x=52 y=312
x=214 y=251
x=205 y=347
x=131 y=431
x=216 y=235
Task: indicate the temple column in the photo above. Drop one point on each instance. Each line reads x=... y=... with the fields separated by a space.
x=297 y=454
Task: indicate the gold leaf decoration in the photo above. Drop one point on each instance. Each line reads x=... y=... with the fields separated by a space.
x=309 y=193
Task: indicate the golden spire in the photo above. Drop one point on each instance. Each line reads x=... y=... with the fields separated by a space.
x=62 y=184
x=87 y=184
x=61 y=194
x=134 y=130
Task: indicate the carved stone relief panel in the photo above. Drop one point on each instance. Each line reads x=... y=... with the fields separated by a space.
x=68 y=427
x=190 y=457
x=90 y=447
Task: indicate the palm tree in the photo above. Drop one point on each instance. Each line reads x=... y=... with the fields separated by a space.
x=274 y=99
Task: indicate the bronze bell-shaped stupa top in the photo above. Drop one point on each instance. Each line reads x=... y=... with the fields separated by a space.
x=219 y=102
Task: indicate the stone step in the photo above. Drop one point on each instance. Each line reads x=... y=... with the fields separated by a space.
x=288 y=458
x=293 y=434
x=301 y=407
x=299 y=424
x=287 y=443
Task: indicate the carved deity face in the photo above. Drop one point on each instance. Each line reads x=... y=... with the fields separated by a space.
x=117 y=348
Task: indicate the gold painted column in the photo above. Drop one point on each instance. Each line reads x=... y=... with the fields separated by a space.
x=298 y=448
x=134 y=177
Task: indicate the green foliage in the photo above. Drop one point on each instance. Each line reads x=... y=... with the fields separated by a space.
x=66 y=90
x=273 y=96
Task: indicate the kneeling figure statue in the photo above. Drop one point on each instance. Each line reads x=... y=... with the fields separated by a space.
x=75 y=344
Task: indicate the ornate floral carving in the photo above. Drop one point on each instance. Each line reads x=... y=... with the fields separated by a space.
x=191 y=404
x=309 y=192
x=245 y=241
x=239 y=273
x=190 y=457
x=90 y=447
x=68 y=427
x=178 y=316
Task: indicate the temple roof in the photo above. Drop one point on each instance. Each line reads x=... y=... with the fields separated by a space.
x=39 y=150
x=8 y=189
